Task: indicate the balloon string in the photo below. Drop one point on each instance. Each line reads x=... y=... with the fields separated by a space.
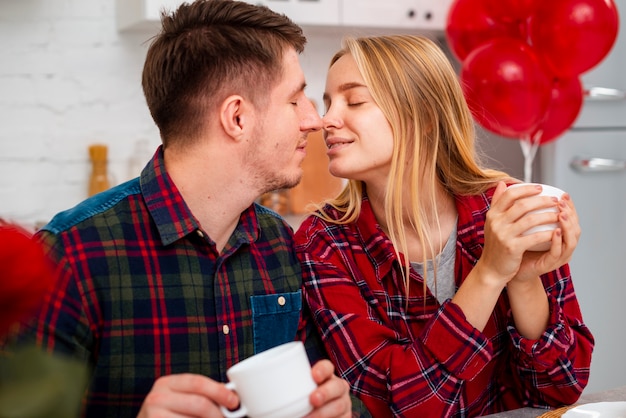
x=529 y=145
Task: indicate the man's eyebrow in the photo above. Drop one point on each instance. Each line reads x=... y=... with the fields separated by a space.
x=298 y=89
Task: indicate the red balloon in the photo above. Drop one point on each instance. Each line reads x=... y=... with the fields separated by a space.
x=511 y=11
x=565 y=104
x=469 y=25
x=26 y=276
x=572 y=36
x=506 y=87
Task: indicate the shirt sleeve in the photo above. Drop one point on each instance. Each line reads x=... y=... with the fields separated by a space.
x=63 y=324
x=554 y=369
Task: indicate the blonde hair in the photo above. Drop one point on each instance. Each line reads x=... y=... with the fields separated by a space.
x=415 y=86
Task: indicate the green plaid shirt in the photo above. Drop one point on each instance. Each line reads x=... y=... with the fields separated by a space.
x=143 y=292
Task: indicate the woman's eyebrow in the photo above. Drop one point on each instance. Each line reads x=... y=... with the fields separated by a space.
x=345 y=87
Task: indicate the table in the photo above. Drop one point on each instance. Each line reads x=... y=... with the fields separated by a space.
x=611 y=395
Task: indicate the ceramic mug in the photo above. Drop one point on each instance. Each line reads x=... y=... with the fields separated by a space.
x=275 y=383
x=546 y=190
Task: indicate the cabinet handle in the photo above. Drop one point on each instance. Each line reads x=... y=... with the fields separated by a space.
x=597 y=165
x=604 y=93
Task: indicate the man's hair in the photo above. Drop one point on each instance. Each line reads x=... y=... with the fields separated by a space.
x=208 y=50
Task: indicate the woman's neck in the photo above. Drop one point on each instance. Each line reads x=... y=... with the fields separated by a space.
x=439 y=218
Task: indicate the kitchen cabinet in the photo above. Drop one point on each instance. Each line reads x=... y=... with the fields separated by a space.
x=429 y=15
x=306 y=12
x=401 y=14
x=605 y=103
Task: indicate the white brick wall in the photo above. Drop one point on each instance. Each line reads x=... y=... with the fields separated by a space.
x=67 y=79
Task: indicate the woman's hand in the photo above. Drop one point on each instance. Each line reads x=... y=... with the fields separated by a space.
x=564 y=241
x=506 y=221
x=332 y=396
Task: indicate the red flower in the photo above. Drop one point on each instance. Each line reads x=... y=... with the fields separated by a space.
x=25 y=276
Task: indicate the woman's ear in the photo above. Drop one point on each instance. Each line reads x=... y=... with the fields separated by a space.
x=233 y=116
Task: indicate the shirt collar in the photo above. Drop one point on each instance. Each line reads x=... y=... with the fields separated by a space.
x=470 y=223
x=172 y=216
x=170 y=213
x=375 y=241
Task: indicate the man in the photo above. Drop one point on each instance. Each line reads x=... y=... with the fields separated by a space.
x=169 y=279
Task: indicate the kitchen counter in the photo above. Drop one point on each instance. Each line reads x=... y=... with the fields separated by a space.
x=612 y=395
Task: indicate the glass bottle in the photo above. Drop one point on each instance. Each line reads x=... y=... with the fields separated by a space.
x=99 y=180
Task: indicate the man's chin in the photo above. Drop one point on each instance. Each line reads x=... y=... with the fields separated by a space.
x=285 y=183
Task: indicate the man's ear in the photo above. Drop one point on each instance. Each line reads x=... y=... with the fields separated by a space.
x=234 y=116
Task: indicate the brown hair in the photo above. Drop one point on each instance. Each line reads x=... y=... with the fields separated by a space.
x=207 y=50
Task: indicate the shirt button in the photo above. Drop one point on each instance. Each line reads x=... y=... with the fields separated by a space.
x=281 y=300
x=225 y=329
x=200 y=233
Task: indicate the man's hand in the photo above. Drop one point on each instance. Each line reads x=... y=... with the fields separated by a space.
x=189 y=395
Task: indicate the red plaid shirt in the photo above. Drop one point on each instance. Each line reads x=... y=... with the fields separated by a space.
x=423 y=358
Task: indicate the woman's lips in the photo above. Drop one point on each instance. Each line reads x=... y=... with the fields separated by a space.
x=335 y=142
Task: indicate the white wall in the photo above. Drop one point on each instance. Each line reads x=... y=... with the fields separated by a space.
x=69 y=79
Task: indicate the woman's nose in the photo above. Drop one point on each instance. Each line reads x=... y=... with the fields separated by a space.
x=331 y=120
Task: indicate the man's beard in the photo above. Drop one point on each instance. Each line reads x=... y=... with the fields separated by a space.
x=281 y=184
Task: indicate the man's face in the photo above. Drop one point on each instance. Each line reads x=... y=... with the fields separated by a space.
x=278 y=145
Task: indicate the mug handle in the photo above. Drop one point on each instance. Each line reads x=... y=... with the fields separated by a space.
x=240 y=412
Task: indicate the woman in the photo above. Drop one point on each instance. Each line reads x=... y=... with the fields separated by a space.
x=417 y=273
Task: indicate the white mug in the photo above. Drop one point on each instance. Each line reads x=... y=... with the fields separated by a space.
x=275 y=383
x=546 y=190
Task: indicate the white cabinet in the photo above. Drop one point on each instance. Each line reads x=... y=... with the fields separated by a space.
x=403 y=14
x=306 y=12
x=429 y=15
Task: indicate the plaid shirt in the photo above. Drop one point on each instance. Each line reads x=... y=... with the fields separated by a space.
x=416 y=357
x=143 y=292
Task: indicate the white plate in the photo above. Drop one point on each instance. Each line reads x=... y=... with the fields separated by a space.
x=598 y=410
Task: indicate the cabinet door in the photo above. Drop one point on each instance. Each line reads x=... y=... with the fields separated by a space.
x=306 y=12
x=404 y=14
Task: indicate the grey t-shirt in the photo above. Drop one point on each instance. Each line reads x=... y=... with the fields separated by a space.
x=445 y=287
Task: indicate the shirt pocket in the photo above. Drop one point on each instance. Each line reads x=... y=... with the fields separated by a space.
x=275 y=319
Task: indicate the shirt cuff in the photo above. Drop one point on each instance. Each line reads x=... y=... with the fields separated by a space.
x=542 y=354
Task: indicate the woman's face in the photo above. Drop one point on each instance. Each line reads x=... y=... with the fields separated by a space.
x=358 y=137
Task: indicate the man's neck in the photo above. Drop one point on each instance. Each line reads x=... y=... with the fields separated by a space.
x=213 y=189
